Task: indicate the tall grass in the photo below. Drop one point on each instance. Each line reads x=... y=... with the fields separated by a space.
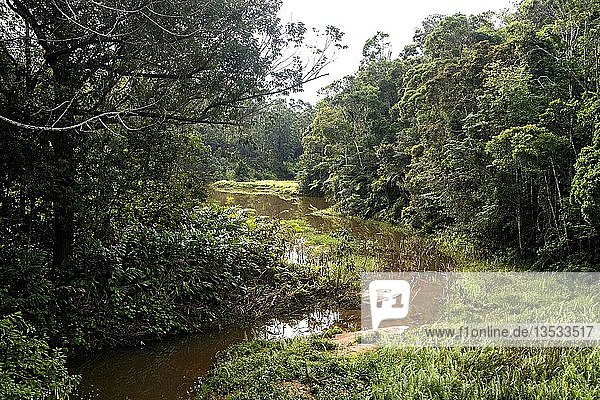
x=312 y=369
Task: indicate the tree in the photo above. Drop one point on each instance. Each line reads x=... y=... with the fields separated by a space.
x=586 y=183
x=489 y=133
x=81 y=68
x=348 y=143
x=532 y=161
x=377 y=48
x=267 y=146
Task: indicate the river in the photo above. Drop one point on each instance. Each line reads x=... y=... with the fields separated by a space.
x=170 y=369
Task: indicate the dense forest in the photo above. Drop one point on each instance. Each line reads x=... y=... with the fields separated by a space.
x=115 y=116
x=484 y=128
x=266 y=147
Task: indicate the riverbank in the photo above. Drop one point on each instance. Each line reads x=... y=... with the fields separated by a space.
x=285 y=189
x=314 y=368
x=252 y=288
x=213 y=267
x=317 y=262
x=331 y=366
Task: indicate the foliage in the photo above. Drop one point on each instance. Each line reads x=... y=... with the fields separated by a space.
x=151 y=280
x=267 y=146
x=29 y=368
x=105 y=158
x=348 y=143
x=479 y=129
x=586 y=183
x=104 y=105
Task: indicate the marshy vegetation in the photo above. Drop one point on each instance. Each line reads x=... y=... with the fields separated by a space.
x=284 y=189
x=478 y=147
x=314 y=369
x=327 y=366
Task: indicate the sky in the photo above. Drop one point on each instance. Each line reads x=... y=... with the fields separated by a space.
x=360 y=20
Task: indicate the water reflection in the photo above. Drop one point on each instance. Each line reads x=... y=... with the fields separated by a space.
x=315 y=322
x=171 y=368
x=391 y=249
x=304 y=208
x=162 y=370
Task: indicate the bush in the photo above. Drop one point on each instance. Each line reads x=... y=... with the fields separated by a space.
x=154 y=281
x=29 y=368
x=150 y=280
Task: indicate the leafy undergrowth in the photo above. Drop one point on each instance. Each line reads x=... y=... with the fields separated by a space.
x=283 y=189
x=312 y=369
x=29 y=368
x=215 y=266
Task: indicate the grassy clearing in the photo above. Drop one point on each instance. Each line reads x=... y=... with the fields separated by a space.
x=283 y=189
x=312 y=369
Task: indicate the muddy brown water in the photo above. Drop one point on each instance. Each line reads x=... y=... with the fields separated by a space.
x=393 y=249
x=170 y=369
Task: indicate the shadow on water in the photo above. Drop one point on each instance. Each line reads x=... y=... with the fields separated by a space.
x=170 y=369
x=161 y=370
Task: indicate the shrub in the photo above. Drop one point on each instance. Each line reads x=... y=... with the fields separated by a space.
x=29 y=368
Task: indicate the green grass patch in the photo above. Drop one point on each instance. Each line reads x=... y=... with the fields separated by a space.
x=469 y=258
x=310 y=236
x=382 y=226
x=283 y=189
x=311 y=369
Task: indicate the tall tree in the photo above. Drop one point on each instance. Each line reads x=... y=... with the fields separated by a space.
x=80 y=67
x=492 y=134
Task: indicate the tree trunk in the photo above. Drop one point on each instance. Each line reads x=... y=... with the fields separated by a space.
x=63 y=199
x=63 y=233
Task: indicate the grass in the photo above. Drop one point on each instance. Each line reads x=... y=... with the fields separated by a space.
x=284 y=189
x=469 y=258
x=313 y=369
x=309 y=235
x=338 y=257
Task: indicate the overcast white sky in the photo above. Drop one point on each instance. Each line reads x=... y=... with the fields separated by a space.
x=361 y=19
